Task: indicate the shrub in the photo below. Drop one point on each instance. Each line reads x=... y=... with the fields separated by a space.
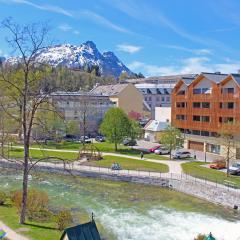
x=64 y=219
x=37 y=202
x=200 y=237
x=3 y=197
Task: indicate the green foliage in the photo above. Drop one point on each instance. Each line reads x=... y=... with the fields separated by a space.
x=135 y=130
x=3 y=198
x=64 y=219
x=72 y=128
x=37 y=205
x=115 y=126
x=172 y=138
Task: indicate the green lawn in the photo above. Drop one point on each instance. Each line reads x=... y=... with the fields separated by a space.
x=33 y=230
x=40 y=154
x=195 y=169
x=102 y=147
x=131 y=164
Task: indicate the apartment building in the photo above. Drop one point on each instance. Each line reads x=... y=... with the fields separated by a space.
x=125 y=96
x=157 y=90
x=202 y=107
x=73 y=106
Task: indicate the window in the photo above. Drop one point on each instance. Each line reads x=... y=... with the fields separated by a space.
x=181 y=104
x=227 y=90
x=150 y=98
x=205 y=104
x=195 y=132
x=205 y=133
x=196 y=118
x=168 y=99
x=226 y=105
x=163 y=99
x=205 y=119
x=196 y=104
x=181 y=117
x=202 y=90
x=197 y=91
x=181 y=92
x=226 y=119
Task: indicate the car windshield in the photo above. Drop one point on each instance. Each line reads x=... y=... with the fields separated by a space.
x=236 y=165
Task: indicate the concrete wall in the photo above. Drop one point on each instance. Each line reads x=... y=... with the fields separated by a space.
x=163 y=114
x=130 y=99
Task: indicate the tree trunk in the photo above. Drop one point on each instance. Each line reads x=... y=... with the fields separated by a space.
x=25 y=184
x=115 y=146
x=170 y=154
x=228 y=160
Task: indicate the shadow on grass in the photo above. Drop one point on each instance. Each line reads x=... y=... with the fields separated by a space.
x=39 y=226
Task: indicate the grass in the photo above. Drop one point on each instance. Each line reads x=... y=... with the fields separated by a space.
x=131 y=164
x=126 y=163
x=33 y=230
x=102 y=147
x=196 y=170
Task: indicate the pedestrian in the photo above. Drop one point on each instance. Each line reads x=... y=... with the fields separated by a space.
x=141 y=154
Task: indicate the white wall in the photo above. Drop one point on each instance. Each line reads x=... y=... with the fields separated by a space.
x=163 y=114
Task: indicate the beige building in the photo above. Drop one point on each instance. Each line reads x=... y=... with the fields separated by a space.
x=125 y=96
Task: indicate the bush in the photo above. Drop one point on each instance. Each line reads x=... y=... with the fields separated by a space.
x=200 y=237
x=64 y=219
x=3 y=197
x=37 y=203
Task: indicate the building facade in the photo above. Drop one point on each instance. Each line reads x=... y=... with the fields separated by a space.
x=157 y=90
x=125 y=96
x=74 y=106
x=206 y=106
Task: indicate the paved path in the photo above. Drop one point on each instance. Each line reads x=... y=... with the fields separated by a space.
x=11 y=235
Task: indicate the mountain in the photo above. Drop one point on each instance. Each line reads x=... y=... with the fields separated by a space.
x=84 y=56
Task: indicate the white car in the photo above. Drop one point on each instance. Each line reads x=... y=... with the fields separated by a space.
x=87 y=139
x=161 y=151
x=182 y=154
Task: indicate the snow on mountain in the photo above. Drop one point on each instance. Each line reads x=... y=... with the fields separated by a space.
x=78 y=57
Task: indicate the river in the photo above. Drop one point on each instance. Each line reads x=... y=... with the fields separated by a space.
x=134 y=212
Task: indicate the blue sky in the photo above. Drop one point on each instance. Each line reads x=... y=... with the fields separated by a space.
x=155 y=37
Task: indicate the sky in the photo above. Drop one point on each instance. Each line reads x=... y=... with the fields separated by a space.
x=154 y=37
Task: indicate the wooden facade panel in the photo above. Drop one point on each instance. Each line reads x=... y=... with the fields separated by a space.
x=198 y=146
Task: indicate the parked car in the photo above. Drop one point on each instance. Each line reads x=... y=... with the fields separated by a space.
x=235 y=169
x=161 y=151
x=129 y=142
x=70 y=138
x=152 y=149
x=218 y=164
x=87 y=139
x=181 y=154
x=100 y=138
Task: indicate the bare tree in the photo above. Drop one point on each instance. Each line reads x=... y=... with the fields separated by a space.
x=22 y=83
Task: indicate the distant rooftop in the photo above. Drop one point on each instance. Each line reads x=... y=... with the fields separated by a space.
x=74 y=94
x=109 y=90
x=161 y=79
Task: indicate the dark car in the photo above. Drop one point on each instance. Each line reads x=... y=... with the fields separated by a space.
x=129 y=142
x=70 y=138
x=100 y=138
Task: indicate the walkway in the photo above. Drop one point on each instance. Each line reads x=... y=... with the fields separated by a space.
x=11 y=235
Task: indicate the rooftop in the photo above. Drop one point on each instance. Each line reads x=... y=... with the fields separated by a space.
x=109 y=90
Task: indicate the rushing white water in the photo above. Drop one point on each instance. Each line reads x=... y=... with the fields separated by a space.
x=161 y=224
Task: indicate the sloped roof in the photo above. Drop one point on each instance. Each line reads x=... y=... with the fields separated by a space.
x=87 y=231
x=215 y=77
x=156 y=126
x=109 y=90
x=236 y=77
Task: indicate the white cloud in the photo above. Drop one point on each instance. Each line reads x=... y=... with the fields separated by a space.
x=128 y=48
x=188 y=65
x=92 y=16
x=65 y=27
x=102 y=20
x=201 y=51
